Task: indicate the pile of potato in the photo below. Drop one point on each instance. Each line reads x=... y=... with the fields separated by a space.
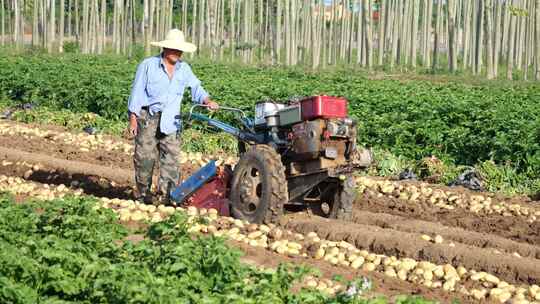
x=476 y=203
x=19 y=186
x=481 y=285
x=197 y=159
x=85 y=142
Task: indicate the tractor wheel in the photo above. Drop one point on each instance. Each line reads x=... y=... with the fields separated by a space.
x=337 y=200
x=259 y=186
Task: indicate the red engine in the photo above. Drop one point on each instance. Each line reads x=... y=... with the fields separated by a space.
x=323 y=107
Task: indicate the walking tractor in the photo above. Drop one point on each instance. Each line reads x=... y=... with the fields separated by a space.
x=295 y=155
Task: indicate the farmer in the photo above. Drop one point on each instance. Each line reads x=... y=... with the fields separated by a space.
x=154 y=114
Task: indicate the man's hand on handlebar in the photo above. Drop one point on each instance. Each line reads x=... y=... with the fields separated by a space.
x=212 y=105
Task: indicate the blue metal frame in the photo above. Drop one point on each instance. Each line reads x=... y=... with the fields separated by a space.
x=241 y=135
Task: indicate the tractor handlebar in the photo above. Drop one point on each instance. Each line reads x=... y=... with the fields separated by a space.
x=246 y=135
x=242 y=113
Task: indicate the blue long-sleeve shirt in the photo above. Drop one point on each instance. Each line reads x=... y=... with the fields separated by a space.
x=153 y=88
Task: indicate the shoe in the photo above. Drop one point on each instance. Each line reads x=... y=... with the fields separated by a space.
x=162 y=199
x=147 y=199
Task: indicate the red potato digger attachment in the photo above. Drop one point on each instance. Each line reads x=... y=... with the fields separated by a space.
x=301 y=153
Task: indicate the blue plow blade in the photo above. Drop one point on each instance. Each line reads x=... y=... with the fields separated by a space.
x=194 y=182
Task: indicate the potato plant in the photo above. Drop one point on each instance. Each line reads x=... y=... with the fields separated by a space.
x=461 y=123
x=67 y=250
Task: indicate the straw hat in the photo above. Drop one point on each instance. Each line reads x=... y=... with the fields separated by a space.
x=175 y=40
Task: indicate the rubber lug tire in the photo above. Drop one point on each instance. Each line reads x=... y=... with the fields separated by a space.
x=341 y=200
x=274 y=192
x=344 y=198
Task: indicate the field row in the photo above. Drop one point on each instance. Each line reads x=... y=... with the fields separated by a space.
x=477 y=284
x=444 y=197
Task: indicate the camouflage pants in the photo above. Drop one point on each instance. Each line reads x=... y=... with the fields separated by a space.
x=150 y=144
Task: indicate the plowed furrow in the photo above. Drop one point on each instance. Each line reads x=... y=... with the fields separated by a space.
x=509 y=227
x=411 y=245
x=454 y=234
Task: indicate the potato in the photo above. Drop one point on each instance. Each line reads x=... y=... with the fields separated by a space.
x=371 y=257
x=311 y=283
x=408 y=264
x=238 y=223
x=427 y=275
x=262 y=243
x=319 y=254
x=264 y=228
x=352 y=257
x=428 y=284
x=438 y=271
x=275 y=245
x=233 y=231
x=169 y=210
x=344 y=263
x=369 y=267
x=281 y=249
x=357 y=263
x=491 y=279
x=449 y=285
x=328 y=256
x=276 y=233
x=322 y=285
x=426 y=237
x=402 y=274
x=295 y=246
x=316 y=240
x=534 y=290
x=391 y=272
x=449 y=269
x=194 y=229
x=137 y=216
x=156 y=218
x=255 y=234
x=333 y=251
x=125 y=217
x=478 y=294
x=500 y=295
x=311 y=235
